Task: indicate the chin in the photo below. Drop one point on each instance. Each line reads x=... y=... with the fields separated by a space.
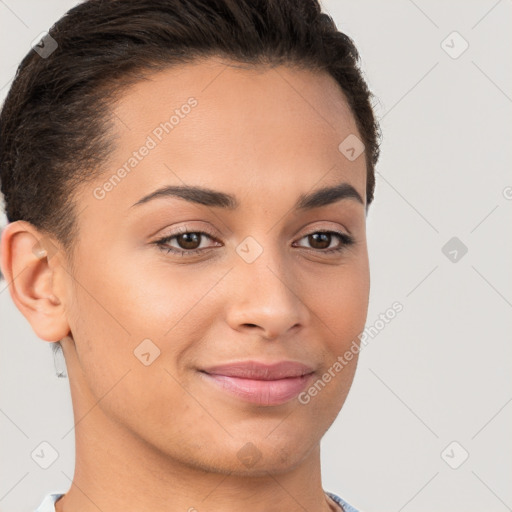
x=246 y=457
x=263 y=455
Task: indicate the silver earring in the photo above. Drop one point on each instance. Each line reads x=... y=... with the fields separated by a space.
x=59 y=361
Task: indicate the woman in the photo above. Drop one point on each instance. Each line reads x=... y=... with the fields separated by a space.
x=186 y=185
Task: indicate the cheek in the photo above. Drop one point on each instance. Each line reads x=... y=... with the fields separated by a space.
x=341 y=303
x=345 y=310
x=119 y=307
x=143 y=397
x=341 y=312
x=128 y=300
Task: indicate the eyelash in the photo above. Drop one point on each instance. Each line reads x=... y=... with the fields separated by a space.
x=346 y=240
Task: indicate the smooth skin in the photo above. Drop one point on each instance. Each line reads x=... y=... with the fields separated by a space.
x=158 y=437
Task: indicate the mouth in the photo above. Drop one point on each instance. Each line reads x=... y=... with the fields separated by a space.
x=260 y=383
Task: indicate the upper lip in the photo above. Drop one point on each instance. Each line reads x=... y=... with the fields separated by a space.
x=260 y=371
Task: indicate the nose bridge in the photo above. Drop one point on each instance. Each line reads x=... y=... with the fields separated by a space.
x=261 y=261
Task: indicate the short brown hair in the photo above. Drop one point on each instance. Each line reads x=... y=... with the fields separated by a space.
x=54 y=124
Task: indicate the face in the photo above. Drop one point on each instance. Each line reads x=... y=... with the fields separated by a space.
x=260 y=276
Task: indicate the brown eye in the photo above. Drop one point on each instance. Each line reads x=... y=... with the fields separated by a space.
x=185 y=243
x=321 y=241
x=189 y=241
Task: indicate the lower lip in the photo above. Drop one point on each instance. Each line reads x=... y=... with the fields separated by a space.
x=261 y=392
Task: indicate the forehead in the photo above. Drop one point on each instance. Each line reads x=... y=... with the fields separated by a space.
x=222 y=124
x=228 y=93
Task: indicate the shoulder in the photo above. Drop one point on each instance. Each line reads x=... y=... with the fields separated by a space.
x=346 y=507
x=48 y=503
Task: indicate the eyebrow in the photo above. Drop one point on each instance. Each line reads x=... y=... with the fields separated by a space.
x=214 y=198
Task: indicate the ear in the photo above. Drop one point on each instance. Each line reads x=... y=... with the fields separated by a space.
x=31 y=264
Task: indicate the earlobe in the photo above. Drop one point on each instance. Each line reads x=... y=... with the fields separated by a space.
x=25 y=256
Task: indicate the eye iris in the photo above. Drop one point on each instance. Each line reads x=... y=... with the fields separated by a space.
x=324 y=238
x=189 y=240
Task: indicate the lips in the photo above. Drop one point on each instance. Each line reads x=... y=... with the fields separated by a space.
x=260 y=383
x=261 y=371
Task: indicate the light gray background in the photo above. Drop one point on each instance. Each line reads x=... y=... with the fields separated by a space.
x=441 y=370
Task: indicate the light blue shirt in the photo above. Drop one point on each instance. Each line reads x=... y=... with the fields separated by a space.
x=346 y=507
x=48 y=503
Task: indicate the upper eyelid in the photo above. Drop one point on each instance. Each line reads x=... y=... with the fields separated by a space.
x=185 y=229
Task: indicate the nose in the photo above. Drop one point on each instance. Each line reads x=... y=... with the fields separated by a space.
x=266 y=299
